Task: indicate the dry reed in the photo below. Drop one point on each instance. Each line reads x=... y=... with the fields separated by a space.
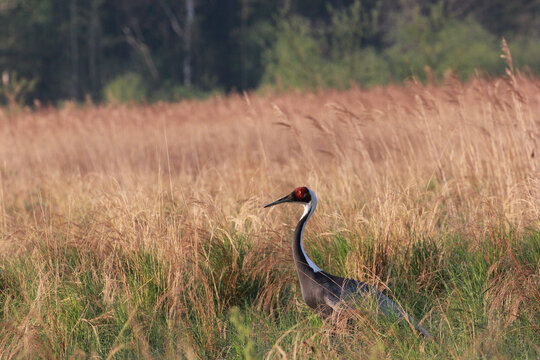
x=187 y=182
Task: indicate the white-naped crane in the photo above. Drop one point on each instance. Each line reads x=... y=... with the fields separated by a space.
x=324 y=291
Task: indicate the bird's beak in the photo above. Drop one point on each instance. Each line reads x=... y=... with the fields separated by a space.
x=284 y=199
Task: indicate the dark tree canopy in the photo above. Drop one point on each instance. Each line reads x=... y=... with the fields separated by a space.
x=53 y=50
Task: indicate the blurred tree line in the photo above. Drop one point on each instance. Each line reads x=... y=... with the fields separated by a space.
x=120 y=50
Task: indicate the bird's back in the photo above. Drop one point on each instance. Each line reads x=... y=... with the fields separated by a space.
x=339 y=291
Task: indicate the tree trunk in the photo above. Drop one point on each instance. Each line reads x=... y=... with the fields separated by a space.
x=190 y=16
x=92 y=47
x=244 y=13
x=73 y=24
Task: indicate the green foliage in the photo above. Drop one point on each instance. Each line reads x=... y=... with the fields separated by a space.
x=132 y=88
x=129 y=87
x=525 y=53
x=305 y=56
x=295 y=59
x=365 y=67
x=351 y=59
x=173 y=92
x=429 y=46
x=297 y=62
x=245 y=349
x=443 y=45
x=352 y=26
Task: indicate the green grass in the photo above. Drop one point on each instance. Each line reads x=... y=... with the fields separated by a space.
x=68 y=301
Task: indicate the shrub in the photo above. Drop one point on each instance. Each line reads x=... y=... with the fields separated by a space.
x=174 y=92
x=442 y=44
x=525 y=53
x=295 y=59
x=129 y=87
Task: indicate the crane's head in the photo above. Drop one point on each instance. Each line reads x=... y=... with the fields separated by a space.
x=301 y=195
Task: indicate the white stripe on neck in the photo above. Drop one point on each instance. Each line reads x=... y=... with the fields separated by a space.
x=309 y=208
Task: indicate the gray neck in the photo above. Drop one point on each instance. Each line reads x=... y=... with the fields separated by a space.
x=303 y=263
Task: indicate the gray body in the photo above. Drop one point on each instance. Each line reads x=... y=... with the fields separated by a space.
x=326 y=292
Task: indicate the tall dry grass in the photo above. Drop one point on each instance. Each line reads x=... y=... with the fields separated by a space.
x=120 y=221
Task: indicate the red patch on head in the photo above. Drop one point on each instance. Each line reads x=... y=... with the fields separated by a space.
x=302 y=194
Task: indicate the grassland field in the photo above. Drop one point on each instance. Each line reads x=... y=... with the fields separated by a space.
x=137 y=231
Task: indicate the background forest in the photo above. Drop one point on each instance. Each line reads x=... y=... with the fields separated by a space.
x=54 y=50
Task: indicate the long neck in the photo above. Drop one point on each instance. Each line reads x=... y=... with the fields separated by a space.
x=303 y=263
